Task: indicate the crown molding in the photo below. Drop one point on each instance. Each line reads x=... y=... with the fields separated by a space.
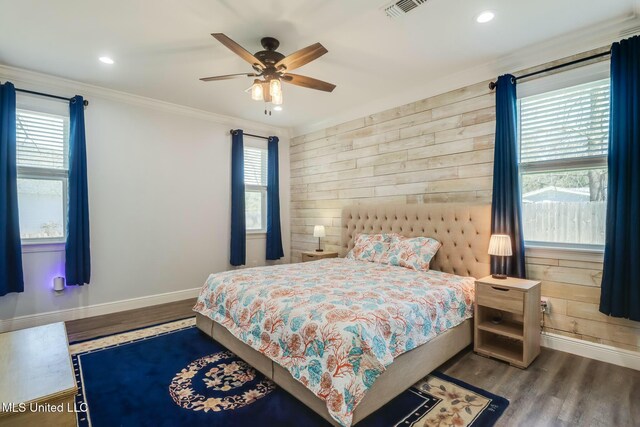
x=32 y=80
x=593 y=37
x=587 y=39
x=534 y=55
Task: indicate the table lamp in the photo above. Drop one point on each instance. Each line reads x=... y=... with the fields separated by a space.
x=318 y=231
x=500 y=245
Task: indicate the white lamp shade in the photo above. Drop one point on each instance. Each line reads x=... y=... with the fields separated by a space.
x=500 y=245
x=318 y=231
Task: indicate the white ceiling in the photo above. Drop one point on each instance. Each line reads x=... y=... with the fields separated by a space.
x=162 y=47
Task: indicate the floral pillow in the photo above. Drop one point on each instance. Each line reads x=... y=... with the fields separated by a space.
x=370 y=247
x=415 y=252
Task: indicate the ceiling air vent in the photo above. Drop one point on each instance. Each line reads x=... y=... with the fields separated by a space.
x=399 y=8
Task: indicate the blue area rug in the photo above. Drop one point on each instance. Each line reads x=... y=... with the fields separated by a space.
x=173 y=375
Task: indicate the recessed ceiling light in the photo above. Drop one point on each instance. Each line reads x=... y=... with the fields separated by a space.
x=485 y=17
x=277 y=108
x=106 y=60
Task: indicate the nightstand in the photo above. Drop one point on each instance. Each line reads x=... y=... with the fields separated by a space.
x=507 y=320
x=314 y=256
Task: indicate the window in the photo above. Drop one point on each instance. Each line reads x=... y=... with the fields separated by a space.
x=563 y=165
x=255 y=181
x=43 y=162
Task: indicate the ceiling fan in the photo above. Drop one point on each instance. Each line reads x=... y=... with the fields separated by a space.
x=271 y=68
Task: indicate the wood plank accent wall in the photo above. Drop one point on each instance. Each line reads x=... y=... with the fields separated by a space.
x=571 y=283
x=438 y=149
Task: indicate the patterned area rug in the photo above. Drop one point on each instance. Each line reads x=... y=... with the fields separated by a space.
x=173 y=374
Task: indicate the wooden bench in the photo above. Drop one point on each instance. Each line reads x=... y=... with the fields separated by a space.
x=37 y=381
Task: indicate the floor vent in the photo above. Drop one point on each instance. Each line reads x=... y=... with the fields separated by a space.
x=399 y=8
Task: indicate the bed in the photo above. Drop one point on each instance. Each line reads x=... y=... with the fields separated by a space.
x=405 y=351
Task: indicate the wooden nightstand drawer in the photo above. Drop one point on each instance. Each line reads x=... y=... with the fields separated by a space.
x=314 y=256
x=501 y=298
x=307 y=257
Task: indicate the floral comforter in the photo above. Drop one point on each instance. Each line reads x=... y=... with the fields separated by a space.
x=335 y=324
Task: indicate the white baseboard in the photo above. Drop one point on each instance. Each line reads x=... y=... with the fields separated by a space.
x=591 y=350
x=30 y=321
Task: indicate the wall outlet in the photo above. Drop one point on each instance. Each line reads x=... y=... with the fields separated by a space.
x=545 y=307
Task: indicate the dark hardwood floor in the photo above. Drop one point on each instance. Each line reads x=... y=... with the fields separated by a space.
x=98 y=326
x=558 y=389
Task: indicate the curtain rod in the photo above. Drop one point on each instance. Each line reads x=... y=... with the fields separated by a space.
x=233 y=132
x=47 y=95
x=492 y=85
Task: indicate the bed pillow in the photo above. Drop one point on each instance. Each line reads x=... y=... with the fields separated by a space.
x=370 y=247
x=415 y=252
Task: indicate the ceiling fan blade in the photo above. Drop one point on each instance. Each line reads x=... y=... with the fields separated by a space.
x=301 y=57
x=308 y=82
x=228 y=76
x=238 y=50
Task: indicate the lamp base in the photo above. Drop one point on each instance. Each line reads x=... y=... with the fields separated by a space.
x=319 y=250
x=499 y=276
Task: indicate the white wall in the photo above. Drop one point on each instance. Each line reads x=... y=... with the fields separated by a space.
x=159 y=190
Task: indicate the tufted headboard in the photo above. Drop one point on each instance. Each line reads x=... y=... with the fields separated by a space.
x=464 y=231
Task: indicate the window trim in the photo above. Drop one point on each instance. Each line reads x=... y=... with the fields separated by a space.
x=65 y=192
x=561 y=165
x=259 y=189
x=564 y=165
x=263 y=211
x=48 y=174
x=553 y=246
x=33 y=247
x=574 y=254
x=558 y=246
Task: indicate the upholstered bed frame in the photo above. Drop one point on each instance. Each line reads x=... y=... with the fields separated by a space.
x=463 y=230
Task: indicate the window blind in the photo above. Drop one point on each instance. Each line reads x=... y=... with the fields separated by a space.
x=255 y=166
x=565 y=124
x=41 y=140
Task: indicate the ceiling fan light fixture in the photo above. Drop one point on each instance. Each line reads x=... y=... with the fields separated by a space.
x=270 y=67
x=275 y=87
x=277 y=98
x=257 y=93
